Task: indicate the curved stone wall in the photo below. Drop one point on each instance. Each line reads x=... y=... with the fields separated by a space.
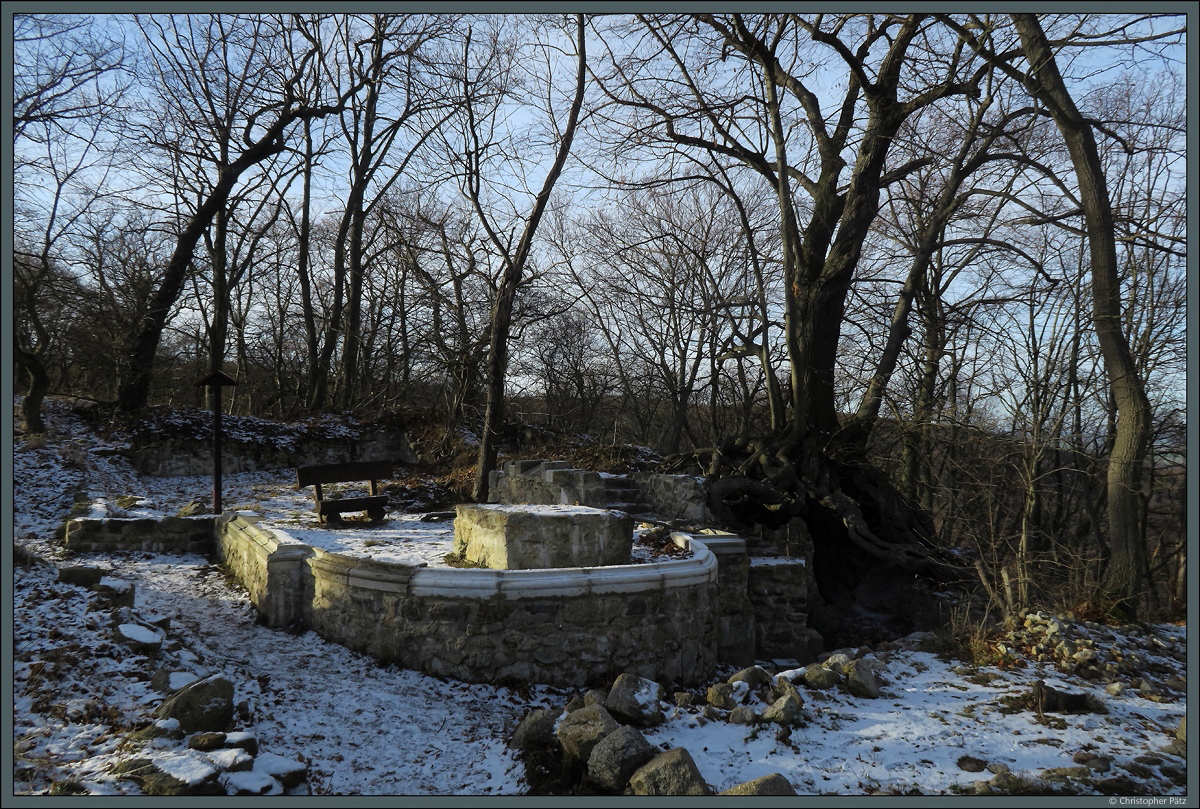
x=563 y=626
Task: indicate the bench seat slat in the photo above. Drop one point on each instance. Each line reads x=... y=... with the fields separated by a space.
x=351 y=504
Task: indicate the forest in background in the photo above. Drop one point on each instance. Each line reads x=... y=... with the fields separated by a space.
x=916 y=283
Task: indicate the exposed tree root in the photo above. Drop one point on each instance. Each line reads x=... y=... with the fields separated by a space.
x=866 y=537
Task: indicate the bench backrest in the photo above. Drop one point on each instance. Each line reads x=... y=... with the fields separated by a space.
x=343 y=472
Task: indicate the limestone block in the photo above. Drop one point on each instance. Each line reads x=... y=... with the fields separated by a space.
x=536 y=537
x=671 y=773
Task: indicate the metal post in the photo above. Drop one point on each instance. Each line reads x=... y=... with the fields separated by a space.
x=215 y=381
x=216 y=397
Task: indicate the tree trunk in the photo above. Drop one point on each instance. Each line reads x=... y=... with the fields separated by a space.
x=1126 y=571
x=497 y=365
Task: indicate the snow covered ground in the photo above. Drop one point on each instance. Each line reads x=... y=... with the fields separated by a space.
x=366 y=729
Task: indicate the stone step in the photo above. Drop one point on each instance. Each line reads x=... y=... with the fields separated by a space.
x=631 y=508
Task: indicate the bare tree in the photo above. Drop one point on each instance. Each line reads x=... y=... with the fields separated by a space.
x=1126 y=571
x=67 y=89
x=277 y=87
x=480 y=163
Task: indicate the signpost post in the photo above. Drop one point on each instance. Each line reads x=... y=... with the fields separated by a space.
x=215 y=381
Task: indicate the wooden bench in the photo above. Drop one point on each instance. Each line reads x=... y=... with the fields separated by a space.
x=371 y=471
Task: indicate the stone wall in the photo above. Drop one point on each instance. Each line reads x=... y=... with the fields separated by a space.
x=272 y=572
x=546 y=483
x=669 y=497
x=778 y=591
x=169 y=456
x=564 y=626
x=735 y=613
x=149 y=534
x=675 y=497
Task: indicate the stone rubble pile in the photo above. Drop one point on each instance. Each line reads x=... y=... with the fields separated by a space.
x=595 y=743
x=1120 y=658
x=193 y=746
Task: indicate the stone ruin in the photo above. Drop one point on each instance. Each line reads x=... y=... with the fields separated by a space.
x=549 y=595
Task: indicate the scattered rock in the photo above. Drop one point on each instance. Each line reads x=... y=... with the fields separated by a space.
x=582 y=730
x=721 y=696
x=773 y=784
x=535 y=731
x=636 y=700
x=615 y=759
x=754 y=676
x=743 y=715
x=81 y=575
x=670 y=773
x=205 y=705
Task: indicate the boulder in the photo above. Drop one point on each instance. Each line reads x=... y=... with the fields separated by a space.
x=173 y=774
x=754 y=676
x=583 y=729
x=536 y=730
x=287 y=771
x=784 y=711
x=617 y=757
x=250 y=782
x=636 y=700
x=721 y=696
x=818 y=677
x=742 y=715
x=140 y=639
x=670 y=773
x=81 y=575
x=862 y=682
x=205 y=705
x=773 y=784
